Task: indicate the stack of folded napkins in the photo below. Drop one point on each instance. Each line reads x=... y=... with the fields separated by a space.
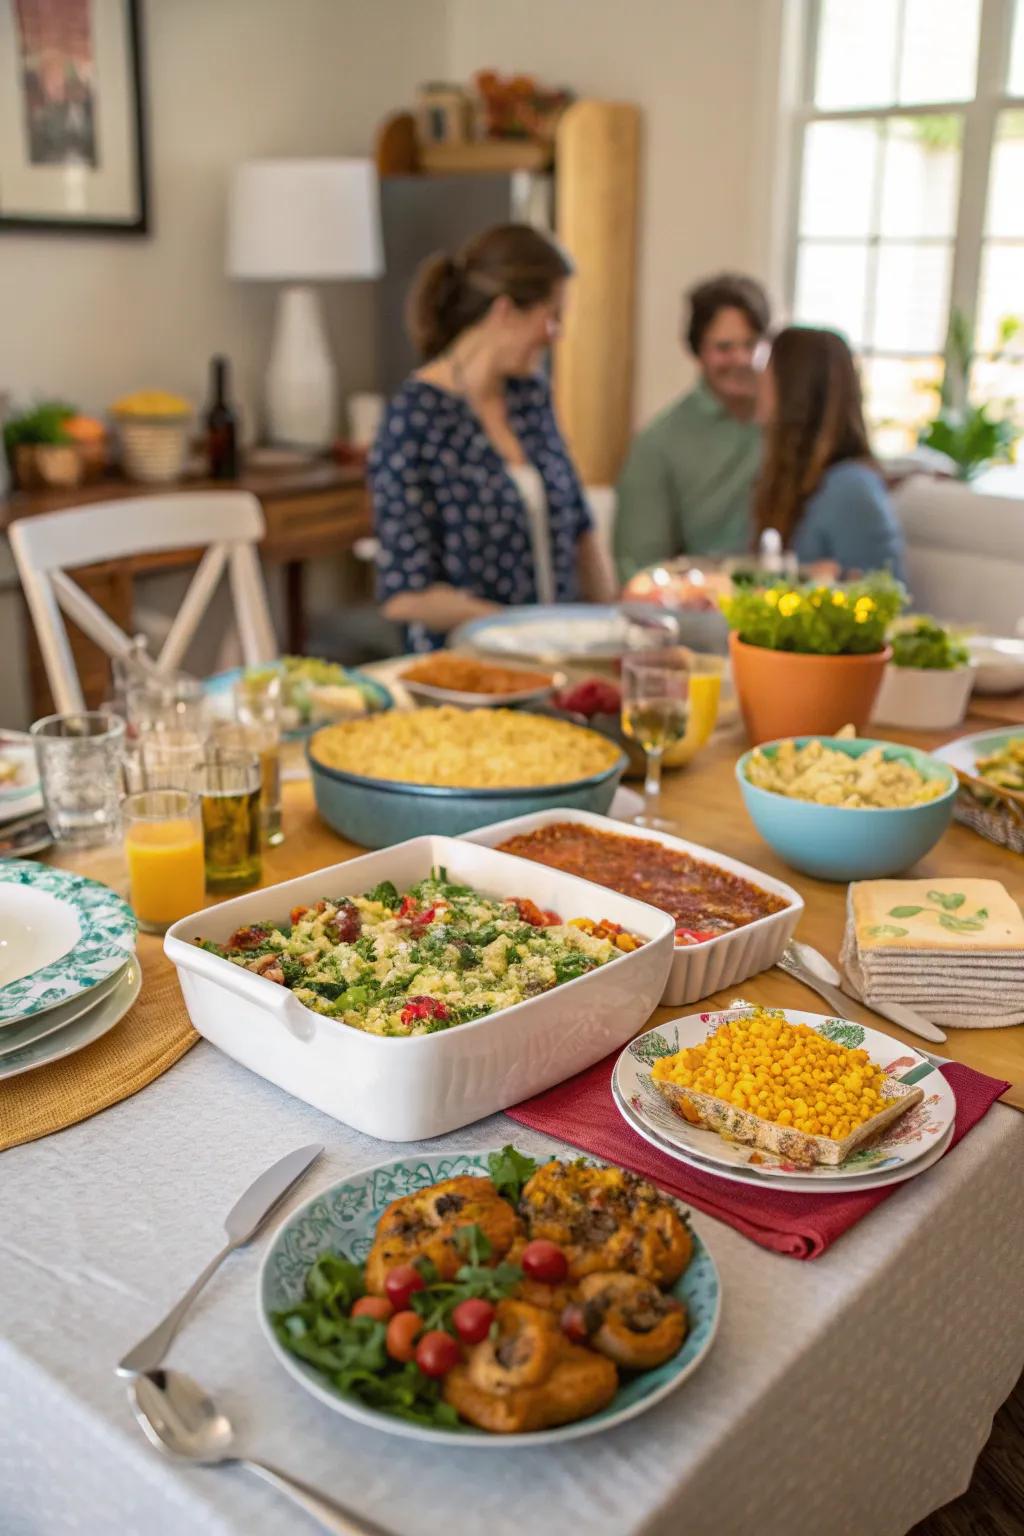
x=951 y=949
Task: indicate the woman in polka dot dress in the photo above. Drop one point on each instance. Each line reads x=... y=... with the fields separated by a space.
x=476 y=501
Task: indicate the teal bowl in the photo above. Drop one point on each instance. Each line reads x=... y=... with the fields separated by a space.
x=378 y=812
x=833 y=842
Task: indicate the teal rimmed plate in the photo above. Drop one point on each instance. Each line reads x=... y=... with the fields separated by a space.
x=343 y=1219
x=80 y=932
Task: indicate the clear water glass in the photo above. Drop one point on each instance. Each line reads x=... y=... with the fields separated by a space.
x=172 y=703
x=168 y=758
x=79 y=757
x=259 y=697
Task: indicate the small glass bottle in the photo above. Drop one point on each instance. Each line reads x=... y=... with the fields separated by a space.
x=221 y=424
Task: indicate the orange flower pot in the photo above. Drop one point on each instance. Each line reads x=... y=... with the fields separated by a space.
x=785 y=693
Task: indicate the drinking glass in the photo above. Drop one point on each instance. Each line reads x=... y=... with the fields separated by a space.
x=163 y=843
x=168 y=758
x=669 y=702
x=265 y=742
x=174 y=702
x=228 y=785
x=259 y=696
x=79 y=757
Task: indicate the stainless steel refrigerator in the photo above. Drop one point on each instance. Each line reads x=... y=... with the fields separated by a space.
x=423 y=214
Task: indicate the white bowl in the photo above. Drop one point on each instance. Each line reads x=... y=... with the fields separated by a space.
x=923 y=698
x=697 y=970
x=999 y=663
x=423 y=1085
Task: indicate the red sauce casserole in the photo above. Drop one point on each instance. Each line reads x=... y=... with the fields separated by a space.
x=703 y=900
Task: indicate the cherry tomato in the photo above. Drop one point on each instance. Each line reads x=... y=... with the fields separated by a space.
x=403 y=1331
x=400 y=1282
x=437 y=1352
x=574 y=1323
x=544 y=1261
x=473 y=1319
x=551 y=919
x=373 y=1306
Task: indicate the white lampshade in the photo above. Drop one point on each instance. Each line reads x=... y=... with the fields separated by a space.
x=303 y=220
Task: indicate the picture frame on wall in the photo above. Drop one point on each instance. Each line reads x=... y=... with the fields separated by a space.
x=72 y=129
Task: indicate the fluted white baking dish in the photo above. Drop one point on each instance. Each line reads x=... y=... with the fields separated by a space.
x=408 y=1089
x=697 y=970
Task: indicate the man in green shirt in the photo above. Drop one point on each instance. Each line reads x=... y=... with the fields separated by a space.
x=687 y=484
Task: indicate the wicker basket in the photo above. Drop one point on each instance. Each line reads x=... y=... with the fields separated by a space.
x=153 y=448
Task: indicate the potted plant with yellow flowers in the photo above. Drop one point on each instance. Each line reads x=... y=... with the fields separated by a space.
x=809 y=659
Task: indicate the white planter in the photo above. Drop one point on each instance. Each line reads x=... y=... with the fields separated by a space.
x=920 y=699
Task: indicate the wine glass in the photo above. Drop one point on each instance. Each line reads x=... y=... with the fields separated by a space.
x=669 y=696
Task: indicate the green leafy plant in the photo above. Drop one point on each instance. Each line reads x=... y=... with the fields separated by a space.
x=968 y=433
x=45 y=423
x=846 y=620
x=921 y=642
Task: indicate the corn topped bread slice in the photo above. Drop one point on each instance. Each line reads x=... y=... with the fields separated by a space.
x=767 y=1083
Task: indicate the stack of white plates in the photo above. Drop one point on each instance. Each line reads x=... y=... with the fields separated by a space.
x=23 y=827
x=909 y=1146
x=68 y=970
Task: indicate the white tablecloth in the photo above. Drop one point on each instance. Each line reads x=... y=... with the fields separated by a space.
x=844 y=1397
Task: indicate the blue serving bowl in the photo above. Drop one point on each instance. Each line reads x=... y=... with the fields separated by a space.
x=378 y=812
x=833 y=842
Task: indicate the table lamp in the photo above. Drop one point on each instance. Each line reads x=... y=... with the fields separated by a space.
x=299 y=222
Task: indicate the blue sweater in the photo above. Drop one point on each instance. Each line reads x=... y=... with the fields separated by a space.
x=850 y=520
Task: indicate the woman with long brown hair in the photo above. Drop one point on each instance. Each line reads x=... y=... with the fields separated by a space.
x=819 y=484
x=476 y=501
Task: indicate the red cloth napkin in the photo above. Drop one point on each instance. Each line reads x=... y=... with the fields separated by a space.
x=582 y=1111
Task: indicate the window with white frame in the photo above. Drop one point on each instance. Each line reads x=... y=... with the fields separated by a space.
x=910 y=198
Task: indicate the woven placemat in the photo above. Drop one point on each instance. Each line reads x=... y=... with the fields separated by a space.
x=151 y=1037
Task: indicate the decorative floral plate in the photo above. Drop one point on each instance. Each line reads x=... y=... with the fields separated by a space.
x=344 y=1217
x=912 y=1137
x=106 y=938
x=95 y=1022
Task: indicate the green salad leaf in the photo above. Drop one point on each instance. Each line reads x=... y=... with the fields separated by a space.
x=510 y=1170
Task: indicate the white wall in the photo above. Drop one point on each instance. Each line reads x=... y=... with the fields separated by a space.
x=90 y=318
x=230 y=79
x=697 y=70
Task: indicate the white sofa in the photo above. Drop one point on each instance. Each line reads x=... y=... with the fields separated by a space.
x=965 y=552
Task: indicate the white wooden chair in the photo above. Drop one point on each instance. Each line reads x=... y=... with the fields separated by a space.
x=227 y=524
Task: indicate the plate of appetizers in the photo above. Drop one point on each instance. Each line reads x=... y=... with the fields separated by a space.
x=490 y=1298
x=783 y=1097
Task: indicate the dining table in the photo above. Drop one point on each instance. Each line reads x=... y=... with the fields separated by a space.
x=848 y=1395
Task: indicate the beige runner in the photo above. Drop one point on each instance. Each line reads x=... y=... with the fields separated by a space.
x=151 y=1037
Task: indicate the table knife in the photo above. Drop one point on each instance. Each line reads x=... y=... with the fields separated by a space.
x=241 y=1224
x=840 y=1001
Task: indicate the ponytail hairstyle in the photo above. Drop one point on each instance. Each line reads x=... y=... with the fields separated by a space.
x=451 y=293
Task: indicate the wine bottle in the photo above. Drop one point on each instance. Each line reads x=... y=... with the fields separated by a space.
x=221 y=424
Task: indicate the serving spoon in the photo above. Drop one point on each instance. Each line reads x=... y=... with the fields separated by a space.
x=180 y=1418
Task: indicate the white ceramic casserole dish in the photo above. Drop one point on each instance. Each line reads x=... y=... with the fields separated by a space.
x=697 y=970
x=423 y=1085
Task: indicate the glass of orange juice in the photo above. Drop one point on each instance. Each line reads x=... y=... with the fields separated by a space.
x=163 y=841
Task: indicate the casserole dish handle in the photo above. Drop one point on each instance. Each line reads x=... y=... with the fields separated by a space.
x=268 y=995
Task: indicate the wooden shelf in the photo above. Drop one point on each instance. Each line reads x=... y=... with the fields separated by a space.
x=491 y=155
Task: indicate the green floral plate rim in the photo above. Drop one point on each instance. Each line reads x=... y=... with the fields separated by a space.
x=107 y=930
x=344 y=1217
x=908 y=1139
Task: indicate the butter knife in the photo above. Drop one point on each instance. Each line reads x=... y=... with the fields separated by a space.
x=241 y=1224
x=839 y=1001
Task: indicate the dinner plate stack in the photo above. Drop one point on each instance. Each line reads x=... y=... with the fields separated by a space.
x=68 y=971
x=23 y=826
x=908 y=1147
